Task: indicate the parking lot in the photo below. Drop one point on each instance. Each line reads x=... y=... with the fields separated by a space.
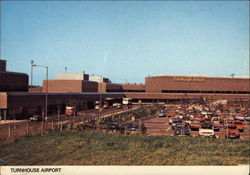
x=161 y=126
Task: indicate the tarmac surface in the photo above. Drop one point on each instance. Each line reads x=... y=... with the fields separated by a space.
x=160 y=126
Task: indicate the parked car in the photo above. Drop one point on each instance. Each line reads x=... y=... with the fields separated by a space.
x=247 y=118
x=171 y=114
x=206 y=130
x=232 y=132
x=195 y=125
x=70 y=110
x=175 y=122
x=216 y=120
x=181 y=129
x=135 y=128
x=217 y=123
x=162 y=113
x=97 y=106
x=241 y=118
x=36 y=118
x=106 y=106
x=119 y=106
x=240 y=126
x=115 y=104
x=216 y=127
x=114 y=127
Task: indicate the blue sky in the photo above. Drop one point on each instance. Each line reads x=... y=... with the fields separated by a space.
x=126 y=40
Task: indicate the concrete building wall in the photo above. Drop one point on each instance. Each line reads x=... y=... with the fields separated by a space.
x=63 y=85
x=101 y=87
x=72 y=76
x=159 y=83
x=70 y=86
x=113 y=87
x=13 y=82
x=89 y=86
x=2 y=65
x=157 y=96
x=36 y=89
x=25 y=99
x=133 y=87
x=99 y=79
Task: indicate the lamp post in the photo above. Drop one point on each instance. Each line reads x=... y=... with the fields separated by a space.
x=31 y=74
x=46 y=91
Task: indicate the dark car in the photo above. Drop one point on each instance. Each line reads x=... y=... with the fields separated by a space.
x=175 y=122
x=114 y=127
x=216 y=127
x=135 y=128
x=36 y=118
x=181 y=129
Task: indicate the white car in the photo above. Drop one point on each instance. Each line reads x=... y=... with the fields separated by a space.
x=240 y=118
x=115 y=104
x=97 y=106
x=119 y=106
x=206 y=130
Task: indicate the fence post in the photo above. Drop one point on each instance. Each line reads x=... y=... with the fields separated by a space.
x=27 y=129
x=52 y=125
x=68 y=126
x=9 y=132
x=42 y=127
x=43 y=117
x=73 y=123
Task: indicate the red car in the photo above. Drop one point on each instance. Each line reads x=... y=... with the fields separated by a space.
x=232 y=132
x=171 y=114
x=195 y=125
x=239 y=124
x=69 y=110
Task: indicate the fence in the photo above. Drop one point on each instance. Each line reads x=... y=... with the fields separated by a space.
x=12 y=131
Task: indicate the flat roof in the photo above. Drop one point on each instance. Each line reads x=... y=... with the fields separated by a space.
x=201 y=76
x=13 y=73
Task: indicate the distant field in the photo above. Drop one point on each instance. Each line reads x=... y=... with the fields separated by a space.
x=90 y=148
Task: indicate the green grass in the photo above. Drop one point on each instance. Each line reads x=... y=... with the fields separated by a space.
x=91 y=148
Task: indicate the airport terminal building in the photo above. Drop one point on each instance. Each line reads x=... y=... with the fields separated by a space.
x=162 y=88
x=84 y=90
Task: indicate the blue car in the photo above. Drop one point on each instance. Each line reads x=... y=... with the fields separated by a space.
x=181 y=129
x=176 y=122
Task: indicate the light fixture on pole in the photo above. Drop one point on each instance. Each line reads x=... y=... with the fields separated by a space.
x=31 y=74
x=46 y=91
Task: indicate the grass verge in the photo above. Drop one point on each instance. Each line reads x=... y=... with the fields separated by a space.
x=92 y=148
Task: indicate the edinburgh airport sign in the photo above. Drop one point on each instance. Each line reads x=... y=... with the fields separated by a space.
x=189 y=79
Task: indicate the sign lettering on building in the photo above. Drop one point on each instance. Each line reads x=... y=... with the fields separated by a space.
x=189 y=79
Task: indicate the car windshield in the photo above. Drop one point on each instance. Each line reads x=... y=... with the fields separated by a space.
x=206 y=126
x=231 y=127
x=177 y=120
